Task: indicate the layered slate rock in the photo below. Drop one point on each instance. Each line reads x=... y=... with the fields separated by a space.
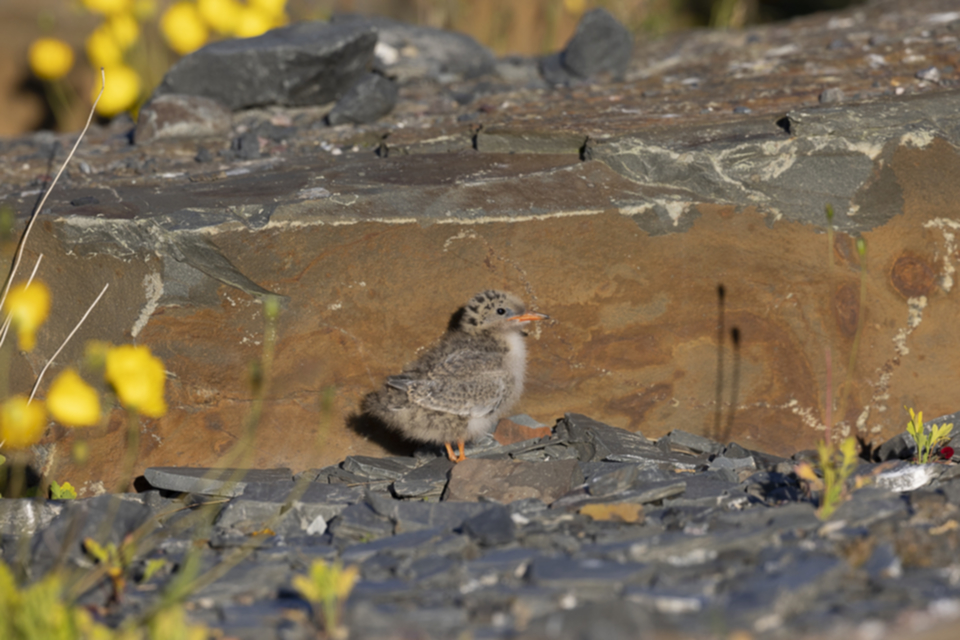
x=302 y=64
x=617 y=208
x=635 y=561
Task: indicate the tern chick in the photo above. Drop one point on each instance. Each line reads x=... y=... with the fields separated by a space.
x=461 y=387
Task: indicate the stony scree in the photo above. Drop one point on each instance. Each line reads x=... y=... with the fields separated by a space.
x=498 y=566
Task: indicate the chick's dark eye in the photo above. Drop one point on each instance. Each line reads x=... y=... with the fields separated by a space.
x=501 y=311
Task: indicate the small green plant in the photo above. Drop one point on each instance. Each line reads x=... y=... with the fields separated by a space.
x=326 y=588
x=113 y=560
x=63 y=491
x=926 y=443
x=836 y=464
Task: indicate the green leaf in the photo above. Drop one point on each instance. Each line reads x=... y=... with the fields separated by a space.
x=62 y=492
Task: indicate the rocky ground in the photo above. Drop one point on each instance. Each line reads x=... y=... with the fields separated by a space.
x=587 y=532
x=619 y=187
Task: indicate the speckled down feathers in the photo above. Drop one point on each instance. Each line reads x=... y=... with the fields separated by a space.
x=462 y=386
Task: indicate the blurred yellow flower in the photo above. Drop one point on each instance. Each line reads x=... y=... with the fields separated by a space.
x=576 y=7
x=221 y=15
x=21 y=422
x=251 y=23
x=275 y=8
x=28 y=307
x=138 y=379
x=144 y=10
x=183 y=28
x=103 y=50
x=72 y=402
x=125 y=29
x=121 y=92
x=107 y=7
x=50 y=58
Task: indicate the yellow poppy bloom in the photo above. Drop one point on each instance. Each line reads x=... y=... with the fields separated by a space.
x=103 y=50
x=28 y=307
x=125 y=29
x=21 y=422
x=138 y=378
x=270 y=7
x=107 y=7
x=221 y=15
x=72 y=402
x=144 y=10
x=50 y=58
x=252 y=23
x=121 y=93
x=183 y=28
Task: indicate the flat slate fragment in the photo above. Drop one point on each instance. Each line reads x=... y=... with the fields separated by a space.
x=221 y=482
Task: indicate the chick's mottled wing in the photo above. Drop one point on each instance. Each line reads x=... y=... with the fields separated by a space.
x=467 y=383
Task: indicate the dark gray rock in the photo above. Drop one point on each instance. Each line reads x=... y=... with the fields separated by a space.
x=406 y=51
x=899 y=447
x=597 y=441
x=359 y=522
x=309 y=63
x=107 y=519
x=583 y=574
x=492 y=527
x=413 y=516
x=428 y=480
x=870 y=505
x=371 y=98
x=216 y=482
x=379 y=468
x=691 y=442
x=400 y=545
x=181 y=116
x=246 y=146
x=610 y=620
x=832 y=95
x=600 y=45
x=311 y=493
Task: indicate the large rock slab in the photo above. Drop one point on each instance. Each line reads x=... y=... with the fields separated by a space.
x=618 y=209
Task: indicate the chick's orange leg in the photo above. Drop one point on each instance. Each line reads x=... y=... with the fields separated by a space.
x=453 y=458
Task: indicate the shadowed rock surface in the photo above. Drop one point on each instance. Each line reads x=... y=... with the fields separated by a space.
x=618 y=207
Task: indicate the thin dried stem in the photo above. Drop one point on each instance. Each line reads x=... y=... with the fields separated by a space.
x=36 y=384
x=43 y=200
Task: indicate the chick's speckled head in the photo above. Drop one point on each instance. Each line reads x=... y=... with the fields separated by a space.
x=495 y=309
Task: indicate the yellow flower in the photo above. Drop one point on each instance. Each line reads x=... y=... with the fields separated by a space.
x=221 y=15
x=72 y=402
x=28 y=307
x=183 y=28
x=50 y=58
x=21 y=422
x=103 y=50
x=107 y=7
x=121 y=93
x=138 y=379
x=274 y=8
x=251 y=23
x=144 y=10
x=125 y=29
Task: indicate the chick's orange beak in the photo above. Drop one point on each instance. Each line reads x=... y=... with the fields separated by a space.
x=529 y=316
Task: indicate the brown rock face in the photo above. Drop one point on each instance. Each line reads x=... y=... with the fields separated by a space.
x=623 y=231
x=508 y=480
